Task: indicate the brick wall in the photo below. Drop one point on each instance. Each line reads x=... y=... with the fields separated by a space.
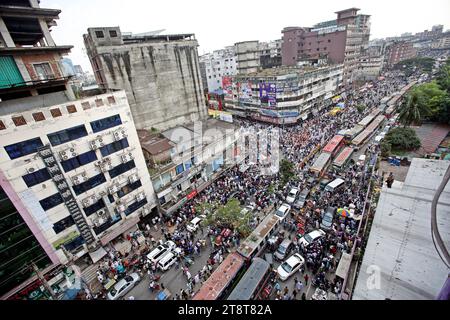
x=51 y=58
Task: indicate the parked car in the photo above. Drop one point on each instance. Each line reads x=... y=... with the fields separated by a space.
x=324 y=183
x=327 y=219
x=156 y=254
x=292 y=195
x=283 y=249
x=312 y=237
x=290 y=266
x=300 y=202
x=123 y=286
x=283 y=211
x=361 y=160
x=194 y=224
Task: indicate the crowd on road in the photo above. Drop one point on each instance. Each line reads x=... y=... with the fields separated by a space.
x=250 y=187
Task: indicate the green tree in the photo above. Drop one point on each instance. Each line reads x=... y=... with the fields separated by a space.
x=360 y=108
x=286 y=170
x=413 y=109
x=386 y=149
x=402 y=139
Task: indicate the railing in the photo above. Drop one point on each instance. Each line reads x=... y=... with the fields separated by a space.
x=9 y=84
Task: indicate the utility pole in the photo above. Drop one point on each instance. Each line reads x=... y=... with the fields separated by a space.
x=43 y=281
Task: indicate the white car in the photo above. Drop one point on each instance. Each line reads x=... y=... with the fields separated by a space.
x=312 y=237
x=292 y=195
x=361 y=160
x=123 y=286
x=161 y=250
x=282 y=211
x=193 y=225
x=290 y=266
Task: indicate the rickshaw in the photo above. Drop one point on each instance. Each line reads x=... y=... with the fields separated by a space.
x=164 y=295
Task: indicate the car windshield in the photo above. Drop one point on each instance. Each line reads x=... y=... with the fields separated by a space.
x=113 y=292
x=128 y=278
x=286 y=267
x=280 y=213
x=328 y=218
x=281 y=249
x=308 y=238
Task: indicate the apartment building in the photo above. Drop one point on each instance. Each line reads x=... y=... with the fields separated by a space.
x=218 y=64
x=343 y=40
x=248 y=57
x=399 y=51
x=283 y=95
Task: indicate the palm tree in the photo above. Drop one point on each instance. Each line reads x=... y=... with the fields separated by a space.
x=414 y=109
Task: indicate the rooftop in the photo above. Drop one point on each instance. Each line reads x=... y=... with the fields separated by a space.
x=400 y=243
x=153 y=143
x=285 y=70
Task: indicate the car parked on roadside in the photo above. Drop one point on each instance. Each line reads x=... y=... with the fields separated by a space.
x=123 y=286
x=312 y=237
x=292 y=195
x=290 y=266
x=283 y=211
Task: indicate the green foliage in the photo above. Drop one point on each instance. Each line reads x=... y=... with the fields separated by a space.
x=360 y=108
x=402 y=139
x=409 y=66
x=386 y=149
x=286 y=170
x=413 y=109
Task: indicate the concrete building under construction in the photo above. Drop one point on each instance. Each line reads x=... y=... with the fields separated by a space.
x=160 y=74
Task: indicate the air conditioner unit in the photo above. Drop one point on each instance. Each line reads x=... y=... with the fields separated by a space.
x=31 y=170
x=65 y=157
x=74 y=154
x=140 y=196
x=72 y=150
x=101 y=213
x=94 y=145
x=75 y=181
x=133 y=178
x=121 y=208
x=113 y=189
x=84 y=174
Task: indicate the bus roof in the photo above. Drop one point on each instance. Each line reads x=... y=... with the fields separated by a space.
x=321 y=162
x=343 y=156
x=220 y=278
x=252 y=242
x=371 y=128
x=335 y=183
x=250 y=281
x=333 y=143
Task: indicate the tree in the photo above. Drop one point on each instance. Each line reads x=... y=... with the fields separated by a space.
x=286 y=170
x=386 y=149
x=413 y=109
x=402 y=139
x=360 y=108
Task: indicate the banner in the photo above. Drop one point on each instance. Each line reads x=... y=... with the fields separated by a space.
x=268 y=93
x=245 y=91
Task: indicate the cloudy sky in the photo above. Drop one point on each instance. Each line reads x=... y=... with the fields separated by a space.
x=220 y=23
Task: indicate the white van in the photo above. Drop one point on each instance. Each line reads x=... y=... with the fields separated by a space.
x=334 y=185
x=158 y=253
x=193 y=225
x=167 y=261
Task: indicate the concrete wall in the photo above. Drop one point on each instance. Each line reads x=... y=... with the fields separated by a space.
x=162 y=81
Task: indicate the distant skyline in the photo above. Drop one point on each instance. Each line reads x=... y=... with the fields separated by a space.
x=219 y=24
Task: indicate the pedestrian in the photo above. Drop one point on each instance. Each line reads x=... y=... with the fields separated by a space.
x=294 y=294
x=306 y=277
x=299 y=286
x=303 y=296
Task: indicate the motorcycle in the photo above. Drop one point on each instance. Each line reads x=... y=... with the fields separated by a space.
x=154 y=286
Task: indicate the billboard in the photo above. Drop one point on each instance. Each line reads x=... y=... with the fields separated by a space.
x=245 y=91
x=268 y=93
x=227 y=86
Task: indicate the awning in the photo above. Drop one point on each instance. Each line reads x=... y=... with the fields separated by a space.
x=98 y=254
x=344 y=265
x=124 y=226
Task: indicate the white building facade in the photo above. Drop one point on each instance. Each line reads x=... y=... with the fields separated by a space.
x=219 y=64
x=76 y=172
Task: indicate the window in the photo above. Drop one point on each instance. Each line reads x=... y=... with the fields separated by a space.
x=135 y=206
x=88 y=185
x=121 y=168
x=23 y=148
x=129 y=188
x=78 y=161
x=51 y=201
x=106 y=123
x=38 y=116
x=94 y=208
x=111 y=198
x=19 y=121
x=67 y=135
x=44 y=71
x=37 y=177
x=63 y=224
x=99 y=34
x=71 y=109
x=2 y=125
x=74 y=244
x=99 y=102
x=111 y=100
x=179 y=169
x=85 y=105
x=56 y=113
x=114 y=147
x=113 y=33
x=329 y=40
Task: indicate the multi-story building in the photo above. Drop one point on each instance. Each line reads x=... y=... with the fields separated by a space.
x=73 y=177
x=399 y=51
x=282 y=95
x=248 y=56
x=30 y=61
x=270 y=54
x=343 y=40
x=160 y=74
x=181 y=169
x=220 y=63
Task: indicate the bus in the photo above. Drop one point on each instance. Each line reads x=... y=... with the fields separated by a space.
x=223 y=279
x=363 y=136
x=255 y=243
x=253 y=281
x=334 y=145
x=343 y=158
x=353 y=132
x=320 y=165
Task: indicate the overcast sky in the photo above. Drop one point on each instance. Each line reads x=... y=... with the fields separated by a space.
x=220 y=23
